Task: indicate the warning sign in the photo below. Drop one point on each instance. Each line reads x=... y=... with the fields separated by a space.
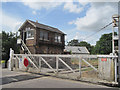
x=103 y=59
x=26 y=62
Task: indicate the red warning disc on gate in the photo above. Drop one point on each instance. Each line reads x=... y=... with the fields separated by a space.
x=26 y=62
x=103 y=59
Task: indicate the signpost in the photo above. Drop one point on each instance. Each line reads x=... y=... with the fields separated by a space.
x=103 y=59
x=26 y=62
x=119 y=55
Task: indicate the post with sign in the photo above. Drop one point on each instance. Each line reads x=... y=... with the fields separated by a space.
x=26 y=63
x=119 y=45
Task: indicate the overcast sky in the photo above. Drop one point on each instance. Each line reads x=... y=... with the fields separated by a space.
x=76 y=19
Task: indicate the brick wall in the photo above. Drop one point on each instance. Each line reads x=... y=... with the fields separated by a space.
x=37 y=46
x=46 y=49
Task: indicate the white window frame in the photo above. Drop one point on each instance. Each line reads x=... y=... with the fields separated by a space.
x=57 y=38
x=27 y=30
x=46 y=33
x=43 y=36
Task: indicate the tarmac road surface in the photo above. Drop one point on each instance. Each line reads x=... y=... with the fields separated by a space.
x=13 y=79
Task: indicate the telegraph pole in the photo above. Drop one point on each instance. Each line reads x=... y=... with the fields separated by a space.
x=115 y=19
x=116 y=24
x=119 y=54
x=119 y=45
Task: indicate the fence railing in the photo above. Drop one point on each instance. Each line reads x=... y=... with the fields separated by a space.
x=69 y=66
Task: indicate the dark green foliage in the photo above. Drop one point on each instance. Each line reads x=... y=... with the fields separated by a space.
x=0 y=46
x=87 y=45
x=104 y=45
x=75 y=42
x=9 y=40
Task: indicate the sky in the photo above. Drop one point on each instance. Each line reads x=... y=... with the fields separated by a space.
x=77 y=19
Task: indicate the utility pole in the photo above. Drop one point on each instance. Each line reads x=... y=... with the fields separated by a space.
x=116 y=49
x=119 y=46
x=114 y=28
x=119 y=54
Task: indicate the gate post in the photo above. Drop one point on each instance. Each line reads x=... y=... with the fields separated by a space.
x=80 y=65
x=11 y=63
x=115 y=61
x=119 y=45
x=119 y=59
x=57 y=64
x=40 y=64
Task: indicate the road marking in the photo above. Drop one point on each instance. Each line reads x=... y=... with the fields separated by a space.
x=14 y=79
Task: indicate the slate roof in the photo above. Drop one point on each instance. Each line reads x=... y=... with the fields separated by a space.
x=42 y=26
x=77 y=49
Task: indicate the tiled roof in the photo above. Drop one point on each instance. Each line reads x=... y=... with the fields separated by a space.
x=42 y=26
x=77 y=49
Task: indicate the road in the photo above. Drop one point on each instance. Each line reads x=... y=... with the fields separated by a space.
x=12 y=79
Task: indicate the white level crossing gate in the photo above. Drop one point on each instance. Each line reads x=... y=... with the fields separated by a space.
x=95 y=67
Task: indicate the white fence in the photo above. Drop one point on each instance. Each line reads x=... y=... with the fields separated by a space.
x=69 y=66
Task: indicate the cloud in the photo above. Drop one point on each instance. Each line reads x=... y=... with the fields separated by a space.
x=73 y=8
x=79 y=36
x=34 y=12
x=98 y=15
x=10 y=23
x=70 y=5
x=84 y=1
x=38 y=5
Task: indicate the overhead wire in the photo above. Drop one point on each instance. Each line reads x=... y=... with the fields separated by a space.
x=98 y=31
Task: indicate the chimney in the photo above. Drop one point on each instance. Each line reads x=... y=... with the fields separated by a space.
x=36 y=21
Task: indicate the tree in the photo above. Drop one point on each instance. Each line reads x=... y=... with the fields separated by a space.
x=86 y=44
x=0 y=46
x=9 y=40
x=104 y=45
x=73 y=42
